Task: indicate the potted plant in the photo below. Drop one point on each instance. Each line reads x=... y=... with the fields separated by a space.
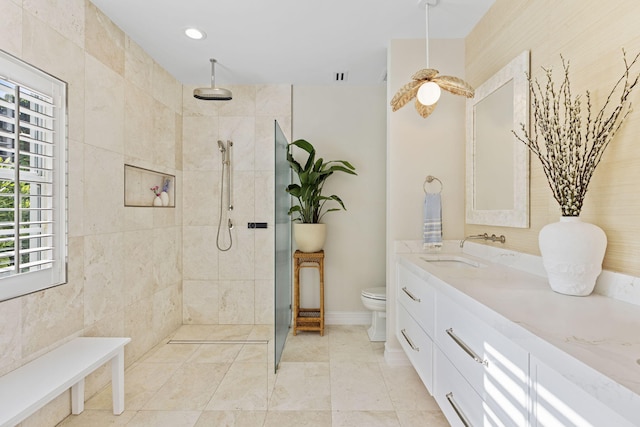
x=311 y=204
x=570 y=149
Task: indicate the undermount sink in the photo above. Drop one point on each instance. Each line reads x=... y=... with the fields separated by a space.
x=452 y=261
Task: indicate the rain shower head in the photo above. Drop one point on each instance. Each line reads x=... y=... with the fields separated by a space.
x=212 y=93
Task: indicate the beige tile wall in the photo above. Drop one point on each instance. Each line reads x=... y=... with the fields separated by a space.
x=125 y=264
x=591 y=34
x=234 y=287
x=128 y=266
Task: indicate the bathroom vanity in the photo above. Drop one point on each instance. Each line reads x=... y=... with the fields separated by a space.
x=495 y=346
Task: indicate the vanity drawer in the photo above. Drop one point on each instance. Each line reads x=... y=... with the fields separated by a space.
x=418 y=297
x=457 y=399
x=417 y=345
x=494 y=366
x=462 y=405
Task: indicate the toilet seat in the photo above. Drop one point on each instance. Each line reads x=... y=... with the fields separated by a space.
x=379 y=293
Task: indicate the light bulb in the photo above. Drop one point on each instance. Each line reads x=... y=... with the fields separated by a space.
x=429 y=93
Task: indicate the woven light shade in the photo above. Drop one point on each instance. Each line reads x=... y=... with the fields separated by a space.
x=451 y=84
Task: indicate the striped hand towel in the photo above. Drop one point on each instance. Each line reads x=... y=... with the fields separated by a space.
x=432 y=231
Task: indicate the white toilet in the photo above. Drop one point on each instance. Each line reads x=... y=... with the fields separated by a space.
x=375 y=299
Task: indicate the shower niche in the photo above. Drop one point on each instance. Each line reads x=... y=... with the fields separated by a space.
x=148 y=188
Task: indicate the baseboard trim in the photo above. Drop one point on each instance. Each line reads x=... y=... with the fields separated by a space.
x=347 y=318
x=395 y=356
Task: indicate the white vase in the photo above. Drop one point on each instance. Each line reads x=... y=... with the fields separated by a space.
x=572 y=253
x=164 y=197
x=157 y=201
x=309 y=237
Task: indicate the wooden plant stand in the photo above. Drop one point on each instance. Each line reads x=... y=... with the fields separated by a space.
x=307 y=319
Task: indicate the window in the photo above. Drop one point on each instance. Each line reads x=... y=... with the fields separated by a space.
x=33 y=134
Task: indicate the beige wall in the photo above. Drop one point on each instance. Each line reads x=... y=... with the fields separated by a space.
x=418 y=147
x=590 y=34
x=348 y=123
x=236 y=286
x=124 y=263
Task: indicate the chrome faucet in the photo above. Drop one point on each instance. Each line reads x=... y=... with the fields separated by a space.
x=484 y=236
x=474 y=236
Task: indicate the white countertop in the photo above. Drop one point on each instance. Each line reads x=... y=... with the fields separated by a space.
x=600 y=332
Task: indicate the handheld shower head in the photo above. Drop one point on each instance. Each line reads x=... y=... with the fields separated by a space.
x=221 y=146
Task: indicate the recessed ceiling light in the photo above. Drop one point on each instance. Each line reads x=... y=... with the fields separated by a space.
x=194 y=33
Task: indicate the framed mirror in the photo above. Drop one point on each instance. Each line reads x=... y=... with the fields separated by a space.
x=497 y=164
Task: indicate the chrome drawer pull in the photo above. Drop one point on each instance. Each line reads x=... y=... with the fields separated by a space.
x=459 y=412
x=413 y=297
x=466 y=348
x=404 y=334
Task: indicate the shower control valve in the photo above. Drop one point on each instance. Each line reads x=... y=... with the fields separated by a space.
x=256 y=225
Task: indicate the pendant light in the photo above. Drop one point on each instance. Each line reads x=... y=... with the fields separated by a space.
x=426 y=85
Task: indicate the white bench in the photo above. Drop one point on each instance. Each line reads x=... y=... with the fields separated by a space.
x=31 y=386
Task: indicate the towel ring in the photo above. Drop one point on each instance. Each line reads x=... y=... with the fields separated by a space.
x=430 y=179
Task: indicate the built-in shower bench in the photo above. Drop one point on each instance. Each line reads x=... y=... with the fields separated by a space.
x=25 y=390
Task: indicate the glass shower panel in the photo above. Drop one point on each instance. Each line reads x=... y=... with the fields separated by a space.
x=282 y=239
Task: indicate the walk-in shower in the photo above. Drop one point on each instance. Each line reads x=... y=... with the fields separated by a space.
x=225 y=178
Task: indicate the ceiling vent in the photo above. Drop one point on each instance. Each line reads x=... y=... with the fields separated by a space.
x=341 y=76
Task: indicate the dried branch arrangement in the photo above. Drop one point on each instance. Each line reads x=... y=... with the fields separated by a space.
x=571 y=147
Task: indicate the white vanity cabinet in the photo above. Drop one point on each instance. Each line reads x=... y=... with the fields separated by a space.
x=415 y=323
x=557 y=402
x=473 y=371
x=496 y=347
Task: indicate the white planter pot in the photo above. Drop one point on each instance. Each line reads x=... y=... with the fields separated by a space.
x=309 y=237
x=157 y=201
x=572 y=253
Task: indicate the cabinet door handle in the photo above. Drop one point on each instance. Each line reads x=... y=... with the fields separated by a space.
x=406 y=337
x=459 y=412
x=466 y=348
x=413 y=297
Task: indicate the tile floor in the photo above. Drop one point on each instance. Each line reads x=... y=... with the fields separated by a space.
x=339 y=379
